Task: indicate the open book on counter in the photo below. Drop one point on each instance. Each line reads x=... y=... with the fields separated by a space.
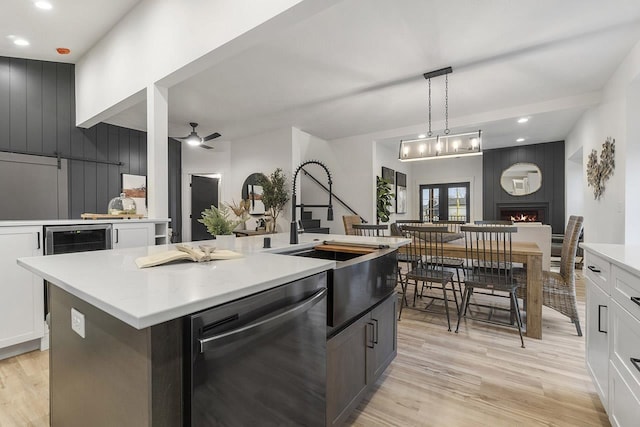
x=183 y=252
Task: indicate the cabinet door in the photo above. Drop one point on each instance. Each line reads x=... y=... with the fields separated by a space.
x=347 y=377
x=625 y=400
x=597 y=341
x=385 y=338
x=133 y=235
x=21 y=292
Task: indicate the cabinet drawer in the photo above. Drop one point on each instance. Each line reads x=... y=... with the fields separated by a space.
x=598 y=270
x=625 y=341
x=624 y=403
x=625 y=290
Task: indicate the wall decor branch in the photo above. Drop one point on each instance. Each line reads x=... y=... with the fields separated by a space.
x=598 y=172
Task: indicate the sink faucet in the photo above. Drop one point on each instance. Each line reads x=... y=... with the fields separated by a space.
x=293 y=237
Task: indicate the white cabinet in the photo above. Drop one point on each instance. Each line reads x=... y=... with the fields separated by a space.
x=597 y=347
x=133 y=234
x=21 y=292
x=613 y=310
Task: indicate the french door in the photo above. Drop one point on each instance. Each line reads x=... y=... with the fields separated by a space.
x=439 y=202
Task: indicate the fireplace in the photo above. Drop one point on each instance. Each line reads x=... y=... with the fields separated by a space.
x=523 y=212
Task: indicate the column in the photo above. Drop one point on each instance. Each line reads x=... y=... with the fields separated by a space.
x=157 y=151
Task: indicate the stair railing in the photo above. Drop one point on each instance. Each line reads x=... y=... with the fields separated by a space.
x=313 y=178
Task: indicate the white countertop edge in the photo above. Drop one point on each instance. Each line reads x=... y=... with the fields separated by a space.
x=626 y=257
x=185 y=309
x=48 y=222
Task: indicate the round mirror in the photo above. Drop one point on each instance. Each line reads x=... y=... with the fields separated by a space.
x=521 y=179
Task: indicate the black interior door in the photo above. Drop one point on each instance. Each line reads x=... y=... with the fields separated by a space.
x=204 y=193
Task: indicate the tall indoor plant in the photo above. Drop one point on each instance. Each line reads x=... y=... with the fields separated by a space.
x=275 y=194
x=384 y=199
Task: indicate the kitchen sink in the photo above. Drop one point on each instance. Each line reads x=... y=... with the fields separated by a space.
x=363 y=277
x=327 y=254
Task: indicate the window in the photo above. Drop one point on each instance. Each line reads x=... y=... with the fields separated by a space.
x=440 y=202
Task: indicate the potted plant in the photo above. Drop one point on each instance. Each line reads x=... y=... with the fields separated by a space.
x=241 y=211
x=384 y=199
x=275 y=195
x=220 y=226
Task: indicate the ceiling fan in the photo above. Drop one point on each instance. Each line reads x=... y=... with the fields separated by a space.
x=194 y=139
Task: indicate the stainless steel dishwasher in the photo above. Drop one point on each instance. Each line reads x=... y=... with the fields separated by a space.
x=260 y=360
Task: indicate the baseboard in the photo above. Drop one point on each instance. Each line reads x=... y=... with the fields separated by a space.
x=18 y=349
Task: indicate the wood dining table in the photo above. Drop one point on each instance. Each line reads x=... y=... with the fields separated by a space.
x=528 y=254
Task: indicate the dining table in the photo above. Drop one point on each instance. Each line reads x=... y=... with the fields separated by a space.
x=530 y=255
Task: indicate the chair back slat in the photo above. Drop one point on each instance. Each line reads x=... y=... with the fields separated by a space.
x=488 y=251
x=452 y=226
x=427 y=246
x=370 y=229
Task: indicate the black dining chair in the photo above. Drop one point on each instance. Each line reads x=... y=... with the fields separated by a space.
x=489 y=265
x=427 y=252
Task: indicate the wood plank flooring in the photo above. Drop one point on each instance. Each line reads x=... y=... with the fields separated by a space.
x=479 y=377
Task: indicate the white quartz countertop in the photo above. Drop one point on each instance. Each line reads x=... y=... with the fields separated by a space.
x=42 y=222
x=111 y=281
x=625 y=256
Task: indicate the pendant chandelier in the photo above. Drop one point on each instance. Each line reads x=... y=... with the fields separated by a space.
x=441 y=146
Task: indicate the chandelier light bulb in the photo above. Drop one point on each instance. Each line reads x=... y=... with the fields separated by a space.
x=474 y=142
x=422 y=148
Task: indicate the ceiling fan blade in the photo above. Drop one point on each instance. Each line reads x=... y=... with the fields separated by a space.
x=206 y=146
x=212 y=136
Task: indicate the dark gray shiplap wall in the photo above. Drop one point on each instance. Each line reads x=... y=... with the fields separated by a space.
x=37 y=116
x=550 y=159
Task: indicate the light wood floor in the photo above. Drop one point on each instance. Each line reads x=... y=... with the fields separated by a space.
x=479 y=377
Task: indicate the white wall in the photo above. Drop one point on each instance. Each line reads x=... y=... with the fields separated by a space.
x=387 y=156
x=199 y=161
x=261 y=153
x=440 y=171
x=605 y=219
x=158 y=38
x=350 y=161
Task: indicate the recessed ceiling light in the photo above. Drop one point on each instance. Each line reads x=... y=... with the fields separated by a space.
x=523 y=120
x=520 y=140
x=44 y=5
x=422 y=135
x=21 y=42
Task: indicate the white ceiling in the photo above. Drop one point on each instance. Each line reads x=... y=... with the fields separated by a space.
x=356 y=68
x=74 y=24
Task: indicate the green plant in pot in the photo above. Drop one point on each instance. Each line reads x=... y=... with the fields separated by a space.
x=275 y=194
x=384 y=199
x=218 y=222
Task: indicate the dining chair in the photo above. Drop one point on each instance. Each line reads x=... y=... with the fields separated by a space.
x=489 y=265
x=559 y=289
x=374 y=230
x=450 y=262
x=426 y=250
x=348 y=221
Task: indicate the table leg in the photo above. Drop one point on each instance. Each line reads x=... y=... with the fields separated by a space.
x=534 y=296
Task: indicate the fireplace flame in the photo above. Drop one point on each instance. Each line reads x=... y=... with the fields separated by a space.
x=524 y=218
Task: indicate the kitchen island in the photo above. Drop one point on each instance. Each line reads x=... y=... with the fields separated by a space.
x=128 y=367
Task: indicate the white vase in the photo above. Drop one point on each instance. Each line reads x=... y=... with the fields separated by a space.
x=227 y=241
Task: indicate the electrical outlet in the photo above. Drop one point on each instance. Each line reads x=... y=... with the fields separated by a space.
x=77 y=322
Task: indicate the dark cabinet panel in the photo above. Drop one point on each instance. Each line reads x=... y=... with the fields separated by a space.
x=357 y=356
x=347 y=370
x=385 y=338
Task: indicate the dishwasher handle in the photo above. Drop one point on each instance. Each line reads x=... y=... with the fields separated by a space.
x=264 y=324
